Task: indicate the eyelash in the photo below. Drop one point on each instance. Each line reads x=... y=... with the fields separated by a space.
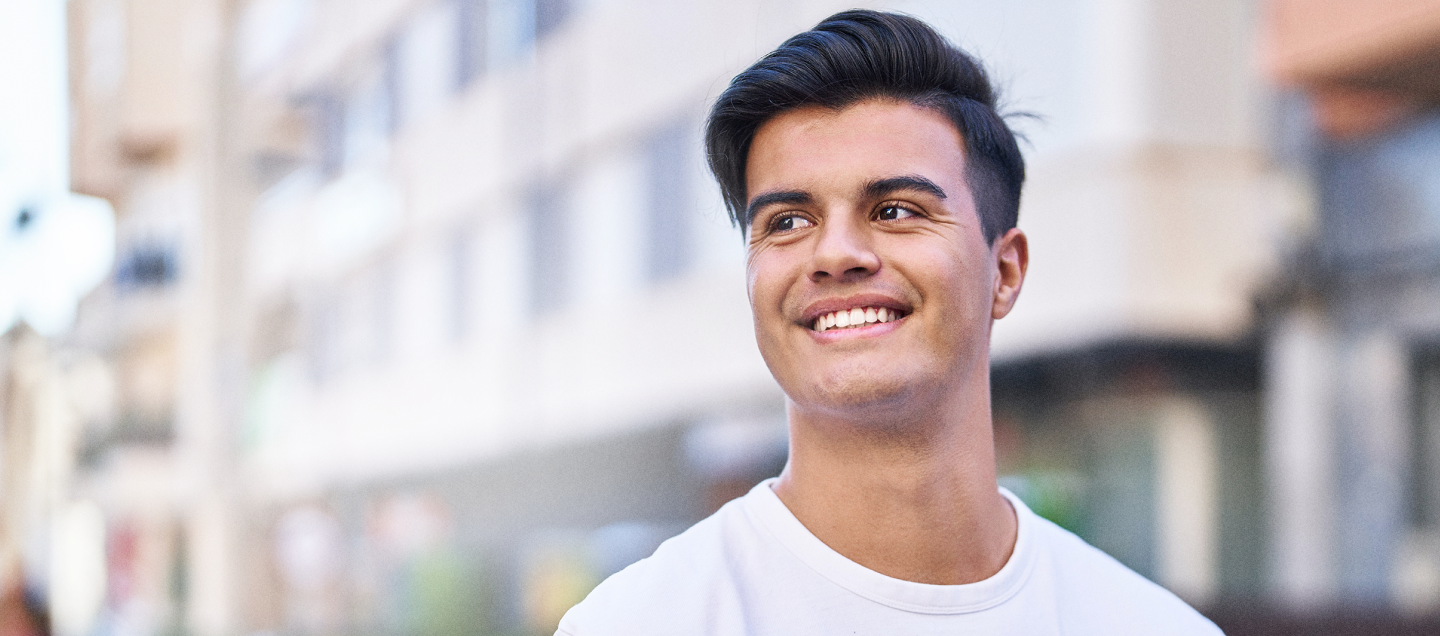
x=896 y=205
x=774 y=224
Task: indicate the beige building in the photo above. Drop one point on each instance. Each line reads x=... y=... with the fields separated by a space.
x=427 y=314
x=150 y=93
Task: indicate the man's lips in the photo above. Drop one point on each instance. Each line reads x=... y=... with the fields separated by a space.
x=852 y=312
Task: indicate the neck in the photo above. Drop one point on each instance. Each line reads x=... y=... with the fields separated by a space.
x=912 y=497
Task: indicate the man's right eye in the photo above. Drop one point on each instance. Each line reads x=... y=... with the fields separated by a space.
x=787 y=222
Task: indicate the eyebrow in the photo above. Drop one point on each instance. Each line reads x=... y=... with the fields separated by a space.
x=792 y=197
x=881 y=187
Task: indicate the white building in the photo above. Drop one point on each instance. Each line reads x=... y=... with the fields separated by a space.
x=499 y=248
x=449 y=320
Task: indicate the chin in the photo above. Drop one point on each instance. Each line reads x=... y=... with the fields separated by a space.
x=855 y=395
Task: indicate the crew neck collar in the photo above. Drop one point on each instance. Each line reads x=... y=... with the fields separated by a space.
x=767 y=511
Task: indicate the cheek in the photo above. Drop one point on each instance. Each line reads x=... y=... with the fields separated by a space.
x=960 y=288
x=753 y=269
x=755 y=289
x=767 y=279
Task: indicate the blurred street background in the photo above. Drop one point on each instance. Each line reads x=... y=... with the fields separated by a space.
x=421 y=317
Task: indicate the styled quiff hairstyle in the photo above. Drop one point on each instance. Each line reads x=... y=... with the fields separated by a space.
x=859 y=55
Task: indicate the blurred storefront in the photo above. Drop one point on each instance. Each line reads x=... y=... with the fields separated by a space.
x=426 y=317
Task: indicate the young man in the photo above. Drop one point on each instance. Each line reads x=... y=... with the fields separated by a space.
x=877 y=188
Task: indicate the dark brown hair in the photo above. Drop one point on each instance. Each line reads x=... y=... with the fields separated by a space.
x=857 y=55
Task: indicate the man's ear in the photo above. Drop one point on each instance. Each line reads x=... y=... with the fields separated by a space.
x=1012 y=258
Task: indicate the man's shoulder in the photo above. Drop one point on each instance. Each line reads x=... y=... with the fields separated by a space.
x=1093 y=588
x=681 y=581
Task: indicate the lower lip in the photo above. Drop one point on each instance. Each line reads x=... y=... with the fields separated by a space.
x=835 y=334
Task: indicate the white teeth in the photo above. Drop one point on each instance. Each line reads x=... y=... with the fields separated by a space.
x=857 y=317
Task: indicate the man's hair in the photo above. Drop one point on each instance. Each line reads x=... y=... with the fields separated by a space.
x=859 y=55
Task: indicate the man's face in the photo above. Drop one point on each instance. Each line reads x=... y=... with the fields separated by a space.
x=871 y=283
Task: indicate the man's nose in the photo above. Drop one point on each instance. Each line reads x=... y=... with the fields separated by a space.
x=844 y=251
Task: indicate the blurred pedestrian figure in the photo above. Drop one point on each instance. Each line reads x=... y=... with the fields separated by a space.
x=21 y=613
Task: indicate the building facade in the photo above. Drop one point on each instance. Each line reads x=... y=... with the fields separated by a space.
x=427 y=315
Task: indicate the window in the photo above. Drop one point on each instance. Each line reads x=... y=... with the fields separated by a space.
x=351 y=123
x=668 y=210
x=352 y=325
x=329 y=123
x=502 y=277
x=144 y=265
x=367 y=119
x=379 y=303
x=606 y=214
x=510 y=31
x=267 y=32
x=470 y=41
x=549 y=15
x=426 y=57
x=1380 y=198
x=549 y=250
x=492 y=34
x=322 y=345
x=462 y=245
x=1425 y=446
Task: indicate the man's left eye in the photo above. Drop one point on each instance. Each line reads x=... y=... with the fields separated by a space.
x=893 y=212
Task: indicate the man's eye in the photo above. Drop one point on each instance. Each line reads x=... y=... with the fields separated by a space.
x=893 y=212
x=791 y=222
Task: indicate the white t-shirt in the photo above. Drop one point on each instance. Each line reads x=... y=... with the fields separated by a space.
x=752 y=568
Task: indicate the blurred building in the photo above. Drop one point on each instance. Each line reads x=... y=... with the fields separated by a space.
x=1352 y=377
x=151 y=132
x=427 y=316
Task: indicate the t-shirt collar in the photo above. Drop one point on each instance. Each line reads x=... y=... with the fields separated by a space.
x=770 y=514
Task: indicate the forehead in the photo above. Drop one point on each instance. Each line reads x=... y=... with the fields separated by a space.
x=814 y=145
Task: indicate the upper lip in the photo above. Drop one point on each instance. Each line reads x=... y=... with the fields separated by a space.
x=826 y=305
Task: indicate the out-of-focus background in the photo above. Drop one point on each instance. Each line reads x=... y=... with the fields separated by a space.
x=420 y=317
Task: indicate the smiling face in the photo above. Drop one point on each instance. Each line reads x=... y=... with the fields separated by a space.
x=872 y=286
